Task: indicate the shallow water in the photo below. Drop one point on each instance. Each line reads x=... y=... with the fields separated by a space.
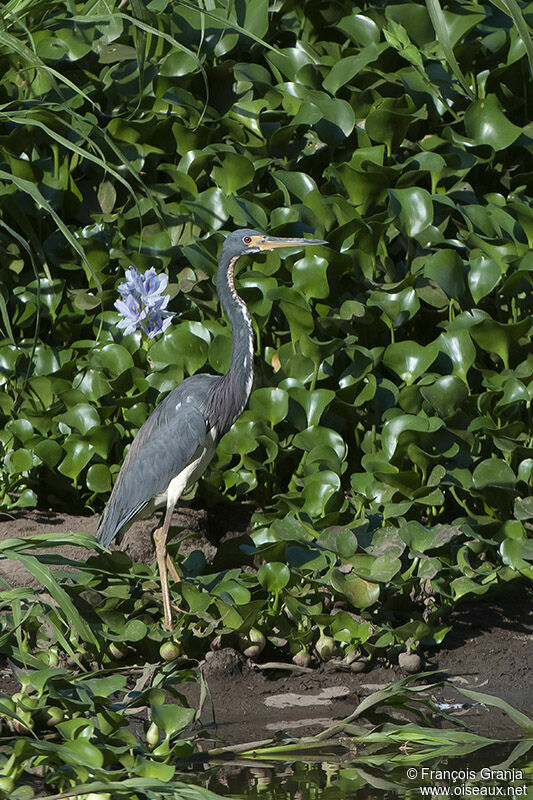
x=504 y=769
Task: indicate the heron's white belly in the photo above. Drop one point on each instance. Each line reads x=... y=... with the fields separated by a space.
x=188 y=476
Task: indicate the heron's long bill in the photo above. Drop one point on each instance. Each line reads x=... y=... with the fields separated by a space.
x=271 y=242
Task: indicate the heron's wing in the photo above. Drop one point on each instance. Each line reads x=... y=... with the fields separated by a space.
x=172 y=437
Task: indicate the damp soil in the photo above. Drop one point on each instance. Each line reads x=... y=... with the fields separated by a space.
x=490 y=646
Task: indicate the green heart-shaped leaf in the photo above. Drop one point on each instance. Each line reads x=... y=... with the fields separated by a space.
x=360 y=593
x=271 y=404
x=485 y=123
x=410 y=360
x=493 y=472
x=414 y=208
x=446 y=395
x=274 y=576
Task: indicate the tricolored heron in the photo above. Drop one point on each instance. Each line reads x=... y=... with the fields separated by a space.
x=177 y=442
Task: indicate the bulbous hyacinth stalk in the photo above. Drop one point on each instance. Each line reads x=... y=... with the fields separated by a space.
x=142 y=304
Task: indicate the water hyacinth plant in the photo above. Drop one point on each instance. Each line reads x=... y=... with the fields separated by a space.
x=143 y=304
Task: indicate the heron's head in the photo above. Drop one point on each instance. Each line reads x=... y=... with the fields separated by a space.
x=244 y=241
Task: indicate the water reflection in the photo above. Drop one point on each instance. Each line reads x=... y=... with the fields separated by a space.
x=506 y=765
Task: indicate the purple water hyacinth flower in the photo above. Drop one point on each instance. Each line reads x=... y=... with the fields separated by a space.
x=160 y=303
x=132 y=312
x=133 y=284
x=142 y=304
x=157 y=322
x=158 y=319
x=153 y=285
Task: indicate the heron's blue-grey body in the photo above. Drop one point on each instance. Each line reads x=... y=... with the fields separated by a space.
x=176 y=443
x=158 y=454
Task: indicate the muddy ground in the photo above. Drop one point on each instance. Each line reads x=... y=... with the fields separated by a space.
x=489 y=649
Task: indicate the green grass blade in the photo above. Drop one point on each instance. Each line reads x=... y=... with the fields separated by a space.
x=143 y=26
x=123 y=159
x=24 y=119
x=55 y=621
x=24 y=245
x=489 y=700
x=441 y=31
x=512 y=8
x=44 y=576
x=419 y=734
x=30 y=189
x=140 y=49
x=16 y=610
x=129 y=786
x=518 y=752
x=13 y=45
x=54 y=539
x=19 y=619
x=5 y=710
x=217 y=15
x=400 y=690
x=5 y=319
x=17 y=7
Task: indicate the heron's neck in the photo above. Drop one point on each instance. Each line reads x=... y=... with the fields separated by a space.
x=238 y=380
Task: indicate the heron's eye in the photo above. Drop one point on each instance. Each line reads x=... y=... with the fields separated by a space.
x=247 y=239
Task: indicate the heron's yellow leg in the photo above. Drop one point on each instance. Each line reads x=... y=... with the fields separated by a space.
x=160 y=539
